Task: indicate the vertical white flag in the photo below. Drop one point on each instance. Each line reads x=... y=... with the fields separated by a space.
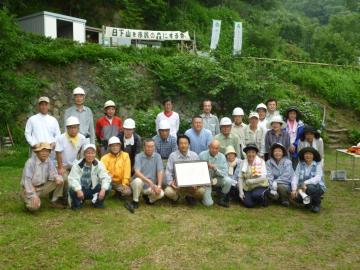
x=215 y=34
x=237 y=37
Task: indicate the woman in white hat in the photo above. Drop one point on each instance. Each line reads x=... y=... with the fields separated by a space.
x=276 y=134
x=234 y=164
x=308 y=179
x=107 y=126
x=88 y=180
x=253 y=183
x=279 y=173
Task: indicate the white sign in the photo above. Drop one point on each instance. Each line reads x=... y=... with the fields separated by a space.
x=237 y=37
x=215 y=35
x=146 y=34
x=192 y=173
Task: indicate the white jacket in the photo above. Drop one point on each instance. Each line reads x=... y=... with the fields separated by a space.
x=99 y=175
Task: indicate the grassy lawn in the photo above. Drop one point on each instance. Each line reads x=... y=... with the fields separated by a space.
x=177 y=237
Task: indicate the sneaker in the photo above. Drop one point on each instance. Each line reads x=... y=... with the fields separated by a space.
x=190 y=200
x=285 y=203
x=117 y=195
x=222 y=201
x=147 y=200
x=57 y=204
x=315 y=209
x=135 y=204
x=99 y=205
x=129 y=206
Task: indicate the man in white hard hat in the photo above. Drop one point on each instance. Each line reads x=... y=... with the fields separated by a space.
x=255 y=134
x=40 y=179
x=69 y=147
x=107 y=126
x=148 y=178
x=88 y=180
x=83 y=113
x=238 y=125
x=118 y=165
x=130 y=141
x=42 y=127
x=227 y=138
x=211 y=122
x=261 y=109
x=165 y=143
x=170 y=115
x=200 y=137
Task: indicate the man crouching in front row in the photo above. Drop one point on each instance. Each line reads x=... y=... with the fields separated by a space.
x=40 y=178
x=88 y=180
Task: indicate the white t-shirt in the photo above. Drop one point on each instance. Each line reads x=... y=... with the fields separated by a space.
x=69 y=152
x=174 y=121
x=41 y=128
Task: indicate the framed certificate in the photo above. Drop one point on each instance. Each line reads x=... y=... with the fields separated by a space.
x=192 y=173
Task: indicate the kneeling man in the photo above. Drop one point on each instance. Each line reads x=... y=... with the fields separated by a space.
x=88 y=180
x=40 y=179
x=149 y=173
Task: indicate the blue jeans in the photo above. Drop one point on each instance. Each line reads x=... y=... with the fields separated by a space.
x=255 y=197
x=88 y=195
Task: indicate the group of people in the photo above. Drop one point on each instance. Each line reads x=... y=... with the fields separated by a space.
x=269 y=159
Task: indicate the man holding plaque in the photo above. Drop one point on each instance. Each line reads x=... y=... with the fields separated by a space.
x=173 y=191
x=218 y=170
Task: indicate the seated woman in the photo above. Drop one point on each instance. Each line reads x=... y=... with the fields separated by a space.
x=308 y=179
x=253 y=184
x=311 y=138
x=88 y=180
x=233 y=171
x=279 y=173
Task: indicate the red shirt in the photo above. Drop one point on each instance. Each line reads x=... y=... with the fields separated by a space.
x=104 y=130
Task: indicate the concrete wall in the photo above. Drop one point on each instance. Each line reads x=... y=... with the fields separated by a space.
x=33 y=25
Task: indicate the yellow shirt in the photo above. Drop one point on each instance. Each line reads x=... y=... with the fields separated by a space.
x=119 y=167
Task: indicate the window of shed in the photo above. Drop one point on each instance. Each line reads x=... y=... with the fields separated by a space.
x=64 y=29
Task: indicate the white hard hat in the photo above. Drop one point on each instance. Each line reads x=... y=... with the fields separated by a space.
x=225 y=121
x=164 y=124
x=238 y=111
x=72 y=121
x=114 y=140
x=253 y=114
x=78 y=91
x=261 y=106
x=129 y=123
x=109 y=103
x=89 y=145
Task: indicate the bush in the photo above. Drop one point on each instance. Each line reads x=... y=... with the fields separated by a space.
x=354 y=136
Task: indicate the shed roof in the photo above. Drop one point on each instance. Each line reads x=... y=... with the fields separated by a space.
x=51 y=14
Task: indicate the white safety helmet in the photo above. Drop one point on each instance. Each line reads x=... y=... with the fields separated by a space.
x=129 y=123
x=109 y=103
x=72 y=121
x=254 y=114
x=261 y=106
x=164 y=124
x=78 y=91
x=114 y=140
x=225 y=121
x=238 y=111
x=89 y=145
